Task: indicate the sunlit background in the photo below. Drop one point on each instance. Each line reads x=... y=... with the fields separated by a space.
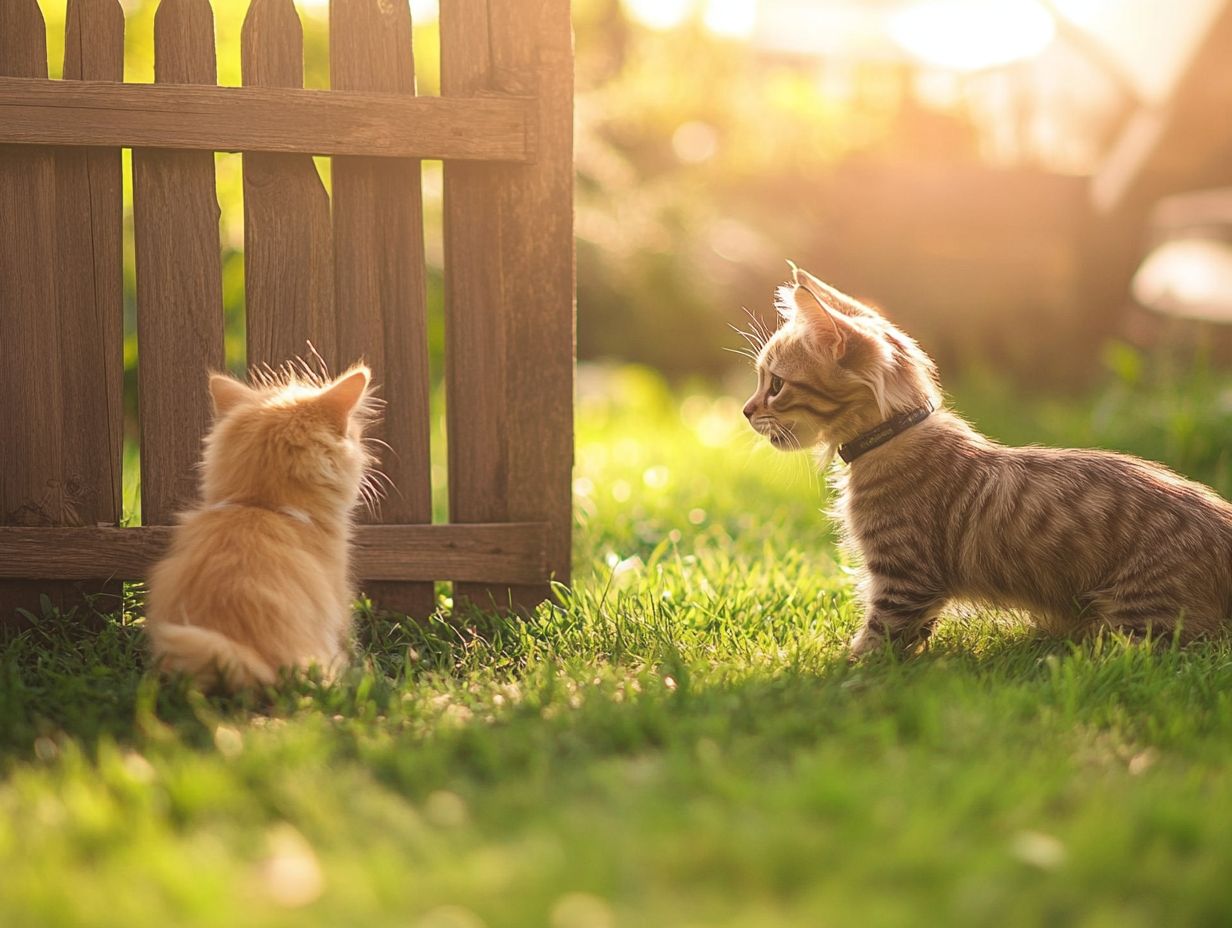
x=1001 y=175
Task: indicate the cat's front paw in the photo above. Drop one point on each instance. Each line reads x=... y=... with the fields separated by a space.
x=865 y=641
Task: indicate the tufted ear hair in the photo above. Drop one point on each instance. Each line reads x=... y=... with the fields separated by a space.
x=833 y=331
x=341 y=397
x=227 y=393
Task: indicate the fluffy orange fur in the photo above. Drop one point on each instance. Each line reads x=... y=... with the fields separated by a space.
x=257 y=576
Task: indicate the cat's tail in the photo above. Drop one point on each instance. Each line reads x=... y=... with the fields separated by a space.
x=209 y=657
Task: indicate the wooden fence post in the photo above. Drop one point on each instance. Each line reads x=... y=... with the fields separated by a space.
x=179 y=278
x=509 y=281
x=381 y=291
x=61 y=325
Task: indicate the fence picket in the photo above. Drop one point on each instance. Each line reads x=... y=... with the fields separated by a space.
x=288 y=241
x=379 y=270
x=90 y=286
x=32 y=487
x=62 y=329
x=509 y=287
x=179 y=277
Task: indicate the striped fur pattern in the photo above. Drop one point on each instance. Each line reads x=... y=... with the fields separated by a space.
x=1080 y=540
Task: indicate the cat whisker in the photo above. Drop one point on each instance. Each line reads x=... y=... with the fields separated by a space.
x=759 y=326
x=744 y=353
x=376 y=474
x=372 y=506
x=381 y=483
x=380 y=441
x=754 y=339
x=814 y=480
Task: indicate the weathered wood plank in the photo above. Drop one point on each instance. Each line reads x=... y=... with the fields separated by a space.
x=33 y=485
x=318 y=122
x=288 y=240
x=510 y=287
x=90 y=289
x=179 y=278
x=381 y=289
x=509 y=552
x=61 y=293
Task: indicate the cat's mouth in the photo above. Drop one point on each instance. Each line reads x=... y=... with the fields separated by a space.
x=774 y=433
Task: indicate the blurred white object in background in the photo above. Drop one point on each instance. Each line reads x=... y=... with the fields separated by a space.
x=1188 y=270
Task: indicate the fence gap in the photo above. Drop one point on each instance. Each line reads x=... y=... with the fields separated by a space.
x=131 y=483
x=427 y=14
x=229 y=186
x=434 y=259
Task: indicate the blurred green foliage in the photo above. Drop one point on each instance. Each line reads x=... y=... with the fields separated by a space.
x=1169 y=406
x=703 y=163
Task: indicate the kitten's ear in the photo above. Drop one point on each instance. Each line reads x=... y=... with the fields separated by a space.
x=340 y=398
x=227 y=393
x=831 y=297
x=833 y=330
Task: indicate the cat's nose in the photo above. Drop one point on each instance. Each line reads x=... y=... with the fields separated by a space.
x=749 y=408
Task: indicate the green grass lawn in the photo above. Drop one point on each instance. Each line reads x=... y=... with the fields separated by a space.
x=678 y=742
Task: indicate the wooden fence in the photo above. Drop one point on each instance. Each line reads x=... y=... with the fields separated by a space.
x=344 y=270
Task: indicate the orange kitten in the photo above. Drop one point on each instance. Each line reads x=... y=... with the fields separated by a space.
x=257 y=576
x=1082 y=540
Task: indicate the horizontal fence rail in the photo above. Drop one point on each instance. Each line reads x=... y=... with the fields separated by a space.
x=507 y=552
x=277 y=119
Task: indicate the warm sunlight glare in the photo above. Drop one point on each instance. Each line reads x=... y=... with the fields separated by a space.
x=733 y=18
x=659 y=14
x=968 y=35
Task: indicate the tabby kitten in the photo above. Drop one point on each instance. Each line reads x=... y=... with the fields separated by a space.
x=257 y=575
x=1079 y=539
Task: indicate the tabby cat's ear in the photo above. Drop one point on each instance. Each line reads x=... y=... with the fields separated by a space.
x=340 y=398
x=227 y=393
x=834 y=331
x=832 y=297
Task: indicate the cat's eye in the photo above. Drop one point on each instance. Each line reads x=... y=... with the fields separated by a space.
x=776 y=384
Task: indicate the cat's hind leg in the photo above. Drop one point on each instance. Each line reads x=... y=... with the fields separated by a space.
x=1157 y=614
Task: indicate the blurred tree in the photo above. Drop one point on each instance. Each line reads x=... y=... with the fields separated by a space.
x=704 y=162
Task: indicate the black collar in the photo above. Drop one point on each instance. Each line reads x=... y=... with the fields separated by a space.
x=878 y=435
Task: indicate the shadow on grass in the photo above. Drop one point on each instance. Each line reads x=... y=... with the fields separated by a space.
x=613 y=689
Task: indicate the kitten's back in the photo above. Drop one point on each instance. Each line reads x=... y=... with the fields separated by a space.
x=257 y=576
